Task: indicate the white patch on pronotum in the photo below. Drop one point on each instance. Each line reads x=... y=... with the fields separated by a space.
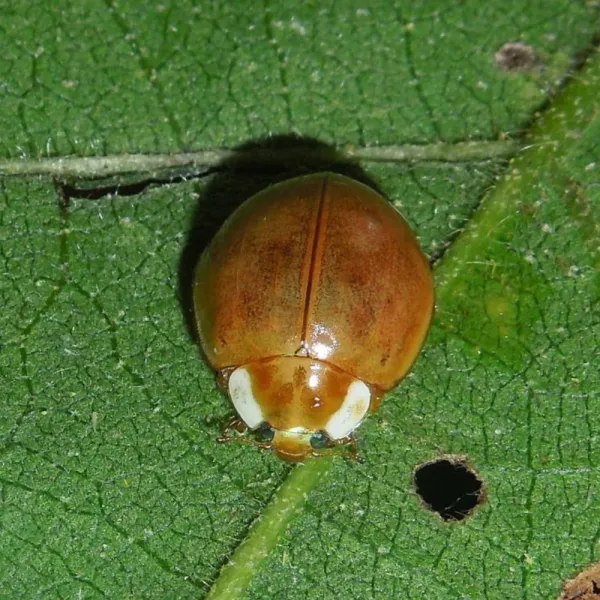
x=351 y=412
x=240 y=391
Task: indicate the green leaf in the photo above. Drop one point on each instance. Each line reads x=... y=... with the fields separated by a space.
x=111 y=482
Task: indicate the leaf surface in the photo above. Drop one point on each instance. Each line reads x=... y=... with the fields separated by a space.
x=111 y=482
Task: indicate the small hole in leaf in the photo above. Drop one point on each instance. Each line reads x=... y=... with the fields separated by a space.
x=449 y=487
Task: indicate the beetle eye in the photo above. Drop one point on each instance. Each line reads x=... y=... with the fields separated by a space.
x=320 y=440
x=264 y=433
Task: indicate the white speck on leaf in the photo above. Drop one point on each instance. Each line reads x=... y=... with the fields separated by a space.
x=297 y=26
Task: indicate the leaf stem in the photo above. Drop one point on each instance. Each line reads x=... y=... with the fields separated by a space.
x=267 y=529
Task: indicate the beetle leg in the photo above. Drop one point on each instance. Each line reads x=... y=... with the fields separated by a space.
x=234 y=429
x=352 y=447
x=348 y=444
x=223 y=378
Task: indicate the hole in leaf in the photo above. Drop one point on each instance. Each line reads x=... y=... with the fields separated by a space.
x=449 y=487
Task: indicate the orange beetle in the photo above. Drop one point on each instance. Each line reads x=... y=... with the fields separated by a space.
x=312 y=300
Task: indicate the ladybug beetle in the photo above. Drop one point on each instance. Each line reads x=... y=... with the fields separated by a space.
x=312 y=300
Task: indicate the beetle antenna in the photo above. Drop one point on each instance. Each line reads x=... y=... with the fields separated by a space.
x=243 y=440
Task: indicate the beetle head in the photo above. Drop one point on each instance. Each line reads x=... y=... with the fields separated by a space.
x=301 y=404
